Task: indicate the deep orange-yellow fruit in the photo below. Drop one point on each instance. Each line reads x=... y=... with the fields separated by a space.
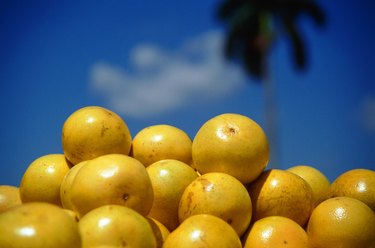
x=342 y=222
x=233 y=144
x=283 y=193
x=9 y=197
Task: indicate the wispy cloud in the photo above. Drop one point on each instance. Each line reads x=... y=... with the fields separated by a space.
x=160 y=80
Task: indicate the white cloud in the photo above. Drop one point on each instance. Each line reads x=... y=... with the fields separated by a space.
x=159 y=80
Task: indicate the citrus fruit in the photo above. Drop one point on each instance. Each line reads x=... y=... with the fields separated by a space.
x=274 y=232
x=158 y=142
x=163 y=230
x=9 y=197
x=117 y=226
x=169 y=178
x=356 y=183
x=218 y=194
x=318 y=182
x=203 y=230
x=283 y=193
x=38 y=224
x=42 y=179
x=92 y=131
x=112 y=179
x=342 y=222
x=233 y=144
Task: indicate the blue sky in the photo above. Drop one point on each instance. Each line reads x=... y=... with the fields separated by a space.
x=160 y=62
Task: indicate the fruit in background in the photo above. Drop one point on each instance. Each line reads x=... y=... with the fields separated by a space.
x=342 y=222
x=318 y=182
x=112 y=179
x=93 y=131
x=38 y=224
x=282 y=193
x=9 y=197
x=42 y=179
x=169 y=178
x=274 y=232
x=203 y=230
x=356 y=183
x=218 y=194
x=233 y=144
x=65 y=187
x=163 y=230
x=158 y=142
x=116 y=226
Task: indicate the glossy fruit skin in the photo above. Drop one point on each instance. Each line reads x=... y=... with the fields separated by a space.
x=218 y=194
x=112 y=179
x=203 y=230
x=117 y=226
x=159 y=142
x=9 y=197
x=39 y=225
x=233 y=144
x=42 y=179
x=169 y=178
x=356 y=183
x=92 y=131
x=280 y=192
x=342 y=222
x=274 y=232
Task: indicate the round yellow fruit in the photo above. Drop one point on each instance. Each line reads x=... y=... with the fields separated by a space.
x=93 y=131
x=203 y=230
x=42 y=179
x=38 y=224
x=275 y=232
x=342 y=222
x=356 y=183
x=117 y=226
x=9 y=197
x=218 y=194
x=158 y=142
x=169 y=178
x=233 y=144
x=282 y=193
x=162 y=229
x=318 y=182
x=112 y=179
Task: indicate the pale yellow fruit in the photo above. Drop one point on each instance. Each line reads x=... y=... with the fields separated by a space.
x=117 y=226
x=65 y=187
x=42 y=179
x=38 y=224
x=162 y=229
x=318 y=182
x=112 y=179
x=218 y=194
x=356 y=183
x=93 y=131
x=158 y=142
x=342 y=222
x=233 y=144
x=9 y=197
x=282 y=193
x=169 y=178
x=203 y=230
x=276 y=232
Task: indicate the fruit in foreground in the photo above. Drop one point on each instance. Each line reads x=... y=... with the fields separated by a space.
x=233 y=144
x=112 y=179
x=9 y=197
x=117 y=226
x=38 y=224
x=283 y=193
x=218 y=194
x=169 y=178
x=93 y=131
x=275 y=232
x=203 y=230
x=356 y=183
x=342 y=222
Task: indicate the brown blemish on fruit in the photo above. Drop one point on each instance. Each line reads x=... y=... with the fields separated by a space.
x=125 y=197
x=206 y=185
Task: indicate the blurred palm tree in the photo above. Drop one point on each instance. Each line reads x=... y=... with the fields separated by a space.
x=253 y=26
